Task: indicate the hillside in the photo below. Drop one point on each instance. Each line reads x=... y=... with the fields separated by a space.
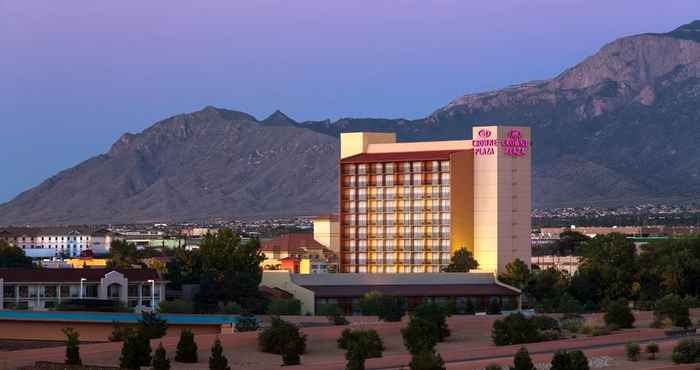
x=620 y=127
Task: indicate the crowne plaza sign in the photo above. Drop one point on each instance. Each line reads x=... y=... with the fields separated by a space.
x=513 y=144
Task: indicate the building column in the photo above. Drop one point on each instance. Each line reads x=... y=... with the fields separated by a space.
x=58 y=293
x=140 y=295
x=16 y=295
x=2 y=294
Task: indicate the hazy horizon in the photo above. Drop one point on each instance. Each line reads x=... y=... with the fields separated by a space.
x=78 y=75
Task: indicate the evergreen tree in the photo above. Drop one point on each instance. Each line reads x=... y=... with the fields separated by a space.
x=561 y=361
x=160 y=360
x=578 y=361
x=419 y=336
x=151 y=325
x=186 y=348
x=218 y=361
x=462 y=261
x=427 y=360
x=433 y=313
x=522 y=360
x=136 y=352
x=72 y=347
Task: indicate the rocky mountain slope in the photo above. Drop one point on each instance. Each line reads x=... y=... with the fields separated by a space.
x=619 y=127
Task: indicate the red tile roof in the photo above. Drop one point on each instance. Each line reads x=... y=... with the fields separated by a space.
x=400 y=156
x=73 y=275
x=292 y=243
x=418 y=290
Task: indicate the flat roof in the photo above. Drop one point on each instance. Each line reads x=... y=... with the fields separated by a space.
x=12 y=275
x=400 y=156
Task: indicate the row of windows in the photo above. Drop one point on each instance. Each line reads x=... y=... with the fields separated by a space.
x=415 y=192
x=362 y=244
x=416 y=259
x=400 y=167
x=56 y=238
x=392 y=269
x=362 y=181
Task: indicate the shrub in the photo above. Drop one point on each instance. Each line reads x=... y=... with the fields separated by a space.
x=282 y=338
x=692 y=302
x=217 y=360
x=338 y=320
x=573 y=325
x=360 y=345
x=568 y=305
x=435 y=314
x=186 y=348
x=494 y=367
x=280 y=307
x=543 y=322
x=120 y=331
x=590 y=306
x=494 y=307
x=160 y=360
x=674 y=308
x=632 y=351
x=686 y=351
x=136 y=351
x=618 y=314
x=419 y=335
x=328 y=309
x=514 y=329
x=386 y=307
x=451 y=307
x=427 y=360
x=522 y=360
x=72 y=346
x=370 y=339
x=652 y=349
x=151 y=325
x=247 y=323
x=175 y=306
x=561 y=361
x=578 y=360
x=230 y=308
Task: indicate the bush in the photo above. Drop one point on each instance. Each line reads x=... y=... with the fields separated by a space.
x=686 y=351
x=618 y=314
x=281 y=338
x=522 y=360
x=568 y=305
x=151 y=325
x=543 y=322
x=328 y=309
x=72 y=347
x=419 y=335
x=494 y=367
x=561 y=361
x=590 y=306
x=186 y=348
x=427 y=360
x=136 y=351
x=175 y=306
x=360 y=345
x=160 y=360
x=674 y=308
x=435 y=314
x=120 y=331
x=514 y=329
x=573 y=325
x=578 y=360
x=386 y=307
x=230 y=308
x=494 y=307
x=652 y=349
x=469 y=308
x=247 y=323
x=217 y=360
x=368 y=338
x=280 y=307
x=632 y=351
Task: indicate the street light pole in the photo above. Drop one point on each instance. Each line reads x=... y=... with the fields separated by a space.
x=153 y=294
x=82 y=280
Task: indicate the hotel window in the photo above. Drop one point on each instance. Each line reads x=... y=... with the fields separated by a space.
x=417 y=232
x=361 y=258
x=445 y=243
x=406 y=179
x=349 y=207
x=373 y=219
x=349 y=220
x=406 y=232
x=388 y=180
x=446 y=192
x=406 y=258
x=378 y=168
x=349 y=232
x=389 y=168
x=417 y=206
x=445 y=218
x=435 y=231
x=436 y=218
x=390 y=219
x=445 y=166
x=418 y=192
x=417 y=179
x=362 y=169
x=362 y=220
x=445 y=178
x=362 y=207
x=445 y=232
x=445 y=205
x=362 y=181
x=405 y=167
x=349 y=169
x=434 y=166
x=418 y=219
x=362 y=245
x=445 y=248
x=407 y=219
x=390 y=206
x=379 y=193
x=362 y=233
x=350 y=194
x=417 y=166
x=389 y=245
x=418 y=259
x=435 y=179
x=390 y=193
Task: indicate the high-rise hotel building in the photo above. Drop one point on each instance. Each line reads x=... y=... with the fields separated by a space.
x=407 y=207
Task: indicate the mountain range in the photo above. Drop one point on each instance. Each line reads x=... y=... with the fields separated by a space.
x=618 y=128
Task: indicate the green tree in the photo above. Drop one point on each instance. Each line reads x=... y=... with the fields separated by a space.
x=123 y=254
x=675 y=308
x=281 y=337
x=462 y=261
x=632 y=351
x=652 y=349
x=514 y=329
x=522 y=360
x=427 y=360
x=186 y=351
x=561 y=361
x=517 y=274
x=586 y=285
x=578 y=360
x=419 y=335
x=217 y=360
x=615 y=257
x=151 y=325
x=618 y=314
x=72 y=346
x=570 y=243
x=547 y=284
x=387 y=307
x=686 y=351
x=435 y=314
x=136 y=351
x=13 y=257
x=160 y=359
x=360 y=345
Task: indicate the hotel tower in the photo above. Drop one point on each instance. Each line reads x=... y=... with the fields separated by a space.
x=407 y=207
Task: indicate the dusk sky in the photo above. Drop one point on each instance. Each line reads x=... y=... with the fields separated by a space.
x=75 y=75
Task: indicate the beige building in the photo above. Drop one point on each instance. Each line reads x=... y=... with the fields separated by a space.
x=327 y=232
x=407 y=207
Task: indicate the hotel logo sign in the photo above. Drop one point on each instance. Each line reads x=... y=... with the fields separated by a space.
x=513 y=144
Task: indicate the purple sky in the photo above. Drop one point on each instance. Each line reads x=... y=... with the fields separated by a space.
x=75 y=75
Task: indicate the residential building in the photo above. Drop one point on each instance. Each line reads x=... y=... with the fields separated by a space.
x=407 y=207
x=346 y=290
x=297 y=252
x=39 y=289
x=58 y=241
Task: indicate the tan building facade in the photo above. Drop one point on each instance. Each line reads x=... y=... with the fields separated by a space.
x=407 y=207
